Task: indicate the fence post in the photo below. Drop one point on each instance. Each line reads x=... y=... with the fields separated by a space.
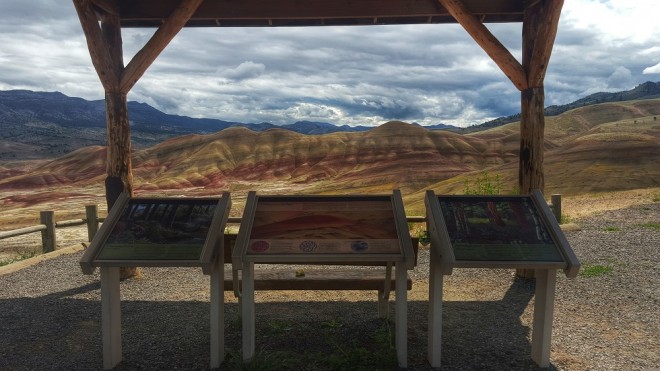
x=555 y=201
x=92 y=213
x=48 y=238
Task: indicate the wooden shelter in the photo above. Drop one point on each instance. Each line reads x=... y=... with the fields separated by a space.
x=103 y=20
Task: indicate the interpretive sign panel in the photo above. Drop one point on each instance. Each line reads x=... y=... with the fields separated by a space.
x=159 y=232
x=497 y=231
x=312 y=228
x=506 y=228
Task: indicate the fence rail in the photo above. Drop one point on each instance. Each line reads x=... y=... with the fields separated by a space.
x=22 y=231
x=48 y=227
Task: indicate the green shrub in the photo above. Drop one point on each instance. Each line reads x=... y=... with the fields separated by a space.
x=484 y=185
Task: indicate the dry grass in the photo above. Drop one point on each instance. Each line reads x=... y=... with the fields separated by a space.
x=581 y=206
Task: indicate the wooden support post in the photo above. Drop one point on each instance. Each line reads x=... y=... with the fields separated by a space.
x=555 y=200
x=119 y=171
x=92 y=215
x=119 y=147
x=539 y=32
x=120 y=176
x=532 y=126
x=48 y=237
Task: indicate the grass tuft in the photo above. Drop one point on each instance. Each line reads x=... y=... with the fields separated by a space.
x=595 y=270
x=651 y=225
x=21 y=256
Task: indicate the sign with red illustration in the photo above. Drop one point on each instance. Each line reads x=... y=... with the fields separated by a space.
x=324 y=226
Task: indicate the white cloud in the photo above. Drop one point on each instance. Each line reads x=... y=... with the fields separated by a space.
x=620 y=78
x=615 y=21
x=245 y=70
x=652 y=69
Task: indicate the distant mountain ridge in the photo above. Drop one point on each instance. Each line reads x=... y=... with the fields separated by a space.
x=647 y=90
x=38 y=125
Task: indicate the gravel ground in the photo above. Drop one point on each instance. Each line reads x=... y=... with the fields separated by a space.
x=50 y=312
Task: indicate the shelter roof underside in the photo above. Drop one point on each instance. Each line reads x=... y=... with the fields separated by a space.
x=290 y=13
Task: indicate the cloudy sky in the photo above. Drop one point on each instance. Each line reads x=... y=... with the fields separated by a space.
x=427 y=74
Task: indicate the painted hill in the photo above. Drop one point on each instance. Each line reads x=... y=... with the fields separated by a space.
x=609 y=146
x=394 y=155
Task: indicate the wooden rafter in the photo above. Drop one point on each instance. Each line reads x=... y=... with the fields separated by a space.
x=161 y=38
x=488 y=42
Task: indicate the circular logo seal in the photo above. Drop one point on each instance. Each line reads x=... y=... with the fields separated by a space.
x=359 y=246
x=260 y=246
x=308 y=246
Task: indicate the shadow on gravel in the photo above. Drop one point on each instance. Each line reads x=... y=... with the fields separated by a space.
x=60 y=332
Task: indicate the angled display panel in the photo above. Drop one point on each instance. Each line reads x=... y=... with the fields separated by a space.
x=323 y=228
x=159 y=232
x=497 y=231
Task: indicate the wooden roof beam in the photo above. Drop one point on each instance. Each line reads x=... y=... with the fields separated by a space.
x=488 y=42
x=146 y=13
x=161 y=38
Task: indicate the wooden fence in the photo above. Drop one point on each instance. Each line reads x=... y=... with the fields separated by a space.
x=49 y=225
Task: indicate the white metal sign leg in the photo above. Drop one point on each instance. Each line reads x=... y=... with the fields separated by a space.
x=435 y=310
x=543 y=311
x=217 y=315
x=110 y=316
x=247 y=309
x=401 y=312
